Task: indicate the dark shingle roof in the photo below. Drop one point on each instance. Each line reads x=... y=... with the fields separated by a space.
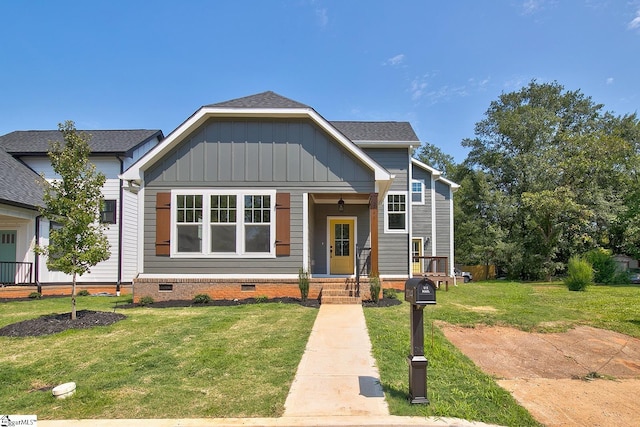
x=18 y=184
x=261 y=100
x=377 y=131
x=102 y=141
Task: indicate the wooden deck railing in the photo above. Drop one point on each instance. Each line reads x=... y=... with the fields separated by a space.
x=431 y=265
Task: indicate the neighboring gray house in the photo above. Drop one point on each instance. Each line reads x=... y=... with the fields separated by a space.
x=245 y=193
x=25 y=152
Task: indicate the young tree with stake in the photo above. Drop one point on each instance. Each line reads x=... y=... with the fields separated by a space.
x=73 y=201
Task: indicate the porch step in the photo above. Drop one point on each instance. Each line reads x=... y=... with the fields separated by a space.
x=343 y=291
x=341 y=300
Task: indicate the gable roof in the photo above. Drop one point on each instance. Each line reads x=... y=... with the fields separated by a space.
x=267 y=99
x=19 y=185
x=377 y=131
x=265 y=104
x=34 y=142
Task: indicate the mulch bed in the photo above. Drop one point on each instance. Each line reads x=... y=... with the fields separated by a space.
x=54 y=323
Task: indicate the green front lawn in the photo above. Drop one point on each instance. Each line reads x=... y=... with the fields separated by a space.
x=158 y=363
x=239 y=361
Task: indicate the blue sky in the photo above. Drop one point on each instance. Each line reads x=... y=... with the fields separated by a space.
x=437 y=64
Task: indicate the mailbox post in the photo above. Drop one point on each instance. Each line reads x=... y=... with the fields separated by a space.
x=420 y=292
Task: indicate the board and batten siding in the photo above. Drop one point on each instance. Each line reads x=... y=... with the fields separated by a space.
x=263 y=153
x=443 y=219
x=292 y=156
x=393 y=252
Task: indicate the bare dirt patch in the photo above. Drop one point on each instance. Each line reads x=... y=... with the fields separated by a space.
x=479 y=309
x=585 y=376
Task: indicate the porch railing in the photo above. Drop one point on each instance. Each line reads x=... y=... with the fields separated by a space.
x=16 y=273
x=435 y=265
x=363 y=265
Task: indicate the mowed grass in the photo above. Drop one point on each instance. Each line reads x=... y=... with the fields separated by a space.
x=455 y=386
x=201 y=361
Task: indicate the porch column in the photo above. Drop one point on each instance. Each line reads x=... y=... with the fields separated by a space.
x=373 y=219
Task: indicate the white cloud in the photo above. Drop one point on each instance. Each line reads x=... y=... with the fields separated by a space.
x=322 y=17
x=396 y=60
x=610 y=81
x=530 y=6
x=635 y=23
x=422 y=88
x=418 y=87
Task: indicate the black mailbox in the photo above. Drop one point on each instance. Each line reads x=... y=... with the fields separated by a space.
x=420 y=291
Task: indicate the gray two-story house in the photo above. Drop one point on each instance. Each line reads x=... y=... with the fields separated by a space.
x=246 y=193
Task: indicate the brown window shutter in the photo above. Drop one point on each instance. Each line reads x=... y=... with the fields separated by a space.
x=163 y=224
x=283 y=224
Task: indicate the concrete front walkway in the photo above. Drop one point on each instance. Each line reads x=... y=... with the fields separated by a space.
x=337 y=374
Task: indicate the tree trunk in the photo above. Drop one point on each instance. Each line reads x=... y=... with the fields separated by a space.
x=73 y=298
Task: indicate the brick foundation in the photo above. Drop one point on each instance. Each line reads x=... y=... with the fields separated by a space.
x=23 y=291
x=220 y=289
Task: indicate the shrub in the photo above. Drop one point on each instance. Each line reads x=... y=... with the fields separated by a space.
x=201 y=299
x=374 y=288
x=303 y=283
x=84 y=293
x=146 y=300
x=579 y=274
x=261 y=298
x=35 y=295
x=389 y=293
x=604 y=266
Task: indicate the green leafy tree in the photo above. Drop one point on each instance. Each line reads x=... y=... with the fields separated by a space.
x=433 y=156
x=478 y=233
x=558 y=170
x=73 y=201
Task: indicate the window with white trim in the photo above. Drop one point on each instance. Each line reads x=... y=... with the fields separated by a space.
x=417 y=192
x=395 y=218
x=189 y=222
x=223 y=223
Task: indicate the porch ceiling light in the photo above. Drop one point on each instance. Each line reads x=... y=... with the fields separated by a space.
x=340 y=205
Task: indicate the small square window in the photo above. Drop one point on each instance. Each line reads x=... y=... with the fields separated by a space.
x=108 y=212
x=417 y=192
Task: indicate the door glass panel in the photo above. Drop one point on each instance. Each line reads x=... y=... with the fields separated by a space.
x=342 y=239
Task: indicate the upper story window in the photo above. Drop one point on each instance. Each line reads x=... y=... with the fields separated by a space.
x=395 y=219
x=108 y=212
x=223 y=223
x=417 y=192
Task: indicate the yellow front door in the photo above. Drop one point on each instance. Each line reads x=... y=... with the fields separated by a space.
x=341 y=250
x=416 y=253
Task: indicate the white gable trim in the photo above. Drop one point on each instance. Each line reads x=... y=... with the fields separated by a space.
x=136 y=171
x=436 y=174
